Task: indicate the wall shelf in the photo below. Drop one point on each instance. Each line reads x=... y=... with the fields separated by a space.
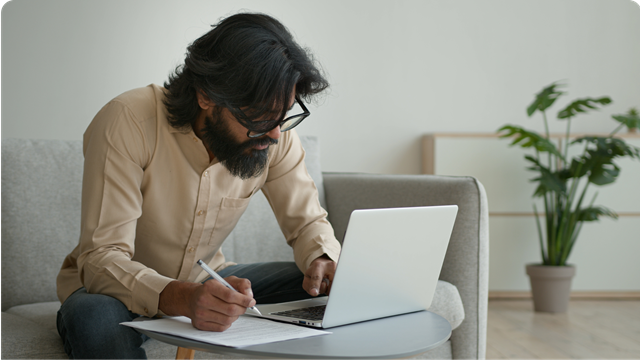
x=605 y=248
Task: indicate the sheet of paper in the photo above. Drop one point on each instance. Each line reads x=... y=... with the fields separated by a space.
x=246 y=331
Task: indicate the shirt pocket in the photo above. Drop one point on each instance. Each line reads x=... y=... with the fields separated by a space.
x=231 y=209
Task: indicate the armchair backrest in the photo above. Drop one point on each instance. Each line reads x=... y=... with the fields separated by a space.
x=41 y=193
x=41 y=199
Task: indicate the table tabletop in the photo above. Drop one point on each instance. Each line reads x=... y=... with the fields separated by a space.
x=392 y=337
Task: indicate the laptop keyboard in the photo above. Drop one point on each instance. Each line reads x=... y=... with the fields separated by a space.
x=309 y=313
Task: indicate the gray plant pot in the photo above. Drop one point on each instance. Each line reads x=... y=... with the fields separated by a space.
x=551 y=287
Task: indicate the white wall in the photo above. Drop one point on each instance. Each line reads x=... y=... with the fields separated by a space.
x=398 y=68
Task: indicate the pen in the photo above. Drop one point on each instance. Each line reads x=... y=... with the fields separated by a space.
x=221 y=280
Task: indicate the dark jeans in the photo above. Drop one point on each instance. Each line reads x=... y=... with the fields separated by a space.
x=89 y=323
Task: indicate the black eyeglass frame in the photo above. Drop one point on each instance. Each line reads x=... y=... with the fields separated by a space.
x=305 y=114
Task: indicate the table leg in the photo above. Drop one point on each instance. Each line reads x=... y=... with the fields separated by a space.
x=184 y=353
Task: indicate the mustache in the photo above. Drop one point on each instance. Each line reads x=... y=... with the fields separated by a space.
x=259 y=142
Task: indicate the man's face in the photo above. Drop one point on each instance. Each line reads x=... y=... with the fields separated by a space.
x=227 y=139
x=229 y=142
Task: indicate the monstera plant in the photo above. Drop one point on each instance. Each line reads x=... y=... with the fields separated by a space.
x=563 y=179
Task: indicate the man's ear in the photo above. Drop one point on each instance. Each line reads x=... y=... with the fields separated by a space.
x=204 y=101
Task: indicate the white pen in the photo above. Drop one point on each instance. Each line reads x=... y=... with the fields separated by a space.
x=221 y=280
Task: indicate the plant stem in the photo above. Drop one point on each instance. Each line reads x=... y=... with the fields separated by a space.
x=567 y=210
x=548 y=223
x=552 y=204
x=565 y=256
x=566 y=149
x=545 y=261
x=551 y=233
x=546 y=125
x=566 y=227
x=616 y=130
x=584 y=191
x=546 y=129
x=576 y=225
x=573 y=226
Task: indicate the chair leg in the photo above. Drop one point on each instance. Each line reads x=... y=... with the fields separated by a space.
x=184 y=353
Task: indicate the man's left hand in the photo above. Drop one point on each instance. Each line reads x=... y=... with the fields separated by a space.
x=319 y=276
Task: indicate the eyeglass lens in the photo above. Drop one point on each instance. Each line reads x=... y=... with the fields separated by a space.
x=293 y=117
x=291 y=122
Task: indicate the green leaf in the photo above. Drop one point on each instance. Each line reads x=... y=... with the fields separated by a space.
x=579 y=168
x=631 y=119
x=545 y=98
x=604 y=173
x=599 y=156
x=581 y=106
x=594 y=213
x=548 y=181
x=528 y=139
x=610 y=146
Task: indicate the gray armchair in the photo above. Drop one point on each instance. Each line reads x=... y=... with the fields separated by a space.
x=466 y=264
x=41 y=183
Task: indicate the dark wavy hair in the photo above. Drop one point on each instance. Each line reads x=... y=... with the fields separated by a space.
x=247 y=61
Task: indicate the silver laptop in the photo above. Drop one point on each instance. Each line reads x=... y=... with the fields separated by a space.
x=389 y=265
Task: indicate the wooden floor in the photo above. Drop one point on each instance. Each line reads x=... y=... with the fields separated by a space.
x=589 y=330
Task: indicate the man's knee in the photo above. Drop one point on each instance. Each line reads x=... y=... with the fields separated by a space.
x=89 y=325
x=91 y=312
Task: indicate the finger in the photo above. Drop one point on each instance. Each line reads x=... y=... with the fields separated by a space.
x=329 y=276
x=324 y=286
x=242 y=285
x=329 y=270
x=213 y=321
x=326 y=283
x=211 y=313
x=313 y=280
x=229 y=301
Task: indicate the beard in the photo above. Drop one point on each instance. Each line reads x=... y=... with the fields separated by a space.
x=241 y=159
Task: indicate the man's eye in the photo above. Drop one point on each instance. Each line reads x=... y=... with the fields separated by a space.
x=261 y=123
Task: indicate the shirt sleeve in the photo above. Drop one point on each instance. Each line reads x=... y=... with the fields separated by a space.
x=294 y=198
x=115 y=153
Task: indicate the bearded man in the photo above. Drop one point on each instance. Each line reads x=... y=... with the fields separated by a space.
x=169 y=171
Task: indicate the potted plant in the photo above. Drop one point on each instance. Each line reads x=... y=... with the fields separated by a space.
x=563 y=181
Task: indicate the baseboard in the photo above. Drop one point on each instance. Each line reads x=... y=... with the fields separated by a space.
x=575 y=295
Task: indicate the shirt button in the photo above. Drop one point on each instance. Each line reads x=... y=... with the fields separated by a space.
x=195 y=139
x=206 y=173
x=201 y=212
x=146 y=310
x=191 y=249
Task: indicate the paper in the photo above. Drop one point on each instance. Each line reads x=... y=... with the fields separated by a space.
x=245 y=331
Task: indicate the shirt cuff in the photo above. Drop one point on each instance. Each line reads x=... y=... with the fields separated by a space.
x=146 y=294
x=319 y=245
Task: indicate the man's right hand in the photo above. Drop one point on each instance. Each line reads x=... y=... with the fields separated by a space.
x=210 y=306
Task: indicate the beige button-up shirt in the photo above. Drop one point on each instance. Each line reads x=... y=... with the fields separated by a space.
x=153 y=204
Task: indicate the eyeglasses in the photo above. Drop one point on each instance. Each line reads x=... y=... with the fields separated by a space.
x=260 y=128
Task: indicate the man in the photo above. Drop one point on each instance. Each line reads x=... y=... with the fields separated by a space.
x=169 y=171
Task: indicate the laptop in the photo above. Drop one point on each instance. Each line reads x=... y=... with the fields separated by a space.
x=389 y=265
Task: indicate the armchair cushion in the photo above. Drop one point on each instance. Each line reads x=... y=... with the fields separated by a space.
x=25 y=339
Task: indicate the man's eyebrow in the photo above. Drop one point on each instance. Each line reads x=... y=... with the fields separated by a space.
x=276 y=112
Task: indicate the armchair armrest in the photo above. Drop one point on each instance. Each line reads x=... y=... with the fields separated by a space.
x=466 y=263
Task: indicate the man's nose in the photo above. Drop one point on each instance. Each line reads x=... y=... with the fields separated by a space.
x=274 y=133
